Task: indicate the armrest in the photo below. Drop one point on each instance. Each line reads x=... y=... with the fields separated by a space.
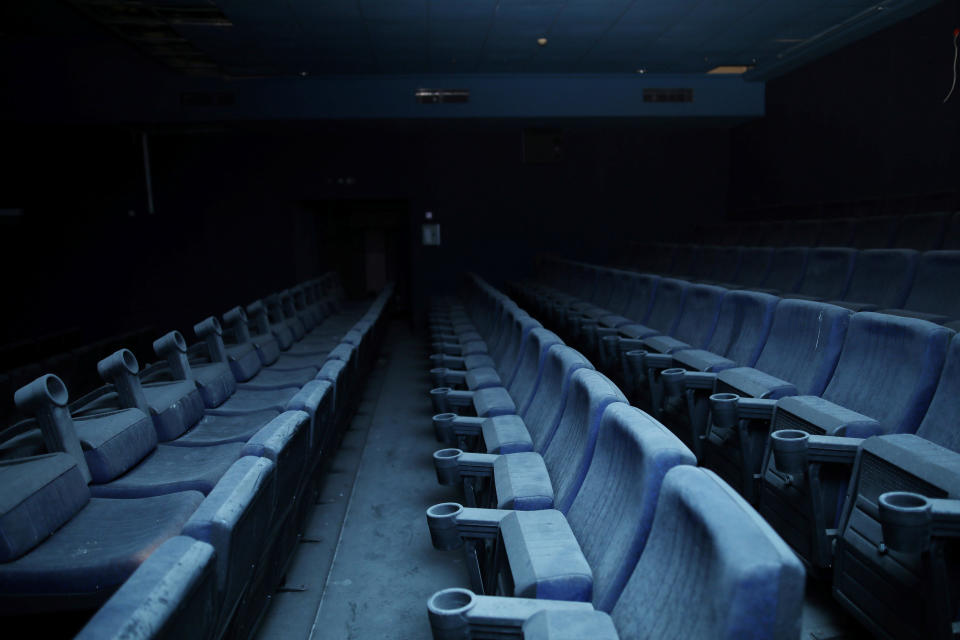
x=793 y=450
x=448 y=348
x=460 y=398
x=676 y=380
x=467 y=425
x=445 y=398
x=729 y=408
x=446 y=360
x=699 y=380
x=457 y=613
x=480 y=523
x=833 y=449
x=477 y=465
x=444 y=377
x=911 y=520
x=658 y=361
x=451 y=523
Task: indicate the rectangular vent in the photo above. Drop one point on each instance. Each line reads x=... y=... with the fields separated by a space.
x=207 y=98
x=668 y=95
x=437 y=96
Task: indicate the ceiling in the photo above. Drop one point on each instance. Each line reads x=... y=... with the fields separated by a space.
x=320 y=37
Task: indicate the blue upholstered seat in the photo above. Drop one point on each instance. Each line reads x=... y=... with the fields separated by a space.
x=933 y=295
x=881 y=280
x=883 y=383
x=828 y=273
x=915 y=600
x=705 y=541
x=798 y=357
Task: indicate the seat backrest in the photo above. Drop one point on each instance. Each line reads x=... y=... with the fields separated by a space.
x=712 y=569
x=707 y=264
x=952 y=238
x=923 y=232
x=754 y=266
x=875 y=233
x=510 y=358
x=699 y=317
x=742 y=326
x=837 y=232
x=888 y=369
x=940 y=423
x=882 y=277
x=612 y=513
x=545 y=407
x=530 y=366
x=507 y=332
x=725 y=266
x=642 y=293
x=802 y=233
x=804 y=344
x=787 y=269
x=828 y=272
x=582 y=280
x=728 y=234
x=774 y=234
x=685 y=260
x=752 y=234
x=934 y=287
x=661 y=258
x=569 y=450
x=603 y=287
x=622 y=290
x=667 y=304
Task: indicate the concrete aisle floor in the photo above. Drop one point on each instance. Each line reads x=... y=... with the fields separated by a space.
x=367 y=567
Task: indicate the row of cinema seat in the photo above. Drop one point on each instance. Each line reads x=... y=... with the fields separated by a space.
x=585 y=517
x=899 y=281
x=839 y=426
x=924 y=232
x=170 y=499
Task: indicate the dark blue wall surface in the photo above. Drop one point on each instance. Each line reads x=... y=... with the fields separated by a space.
x=231 y=199
x=865 y=123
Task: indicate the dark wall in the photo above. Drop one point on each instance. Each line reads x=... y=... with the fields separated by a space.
x=866 y=123
x=87 y=254
x=235 y=217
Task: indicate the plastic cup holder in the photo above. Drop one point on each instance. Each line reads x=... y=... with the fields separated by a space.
x=446 y=464
x=444 y=510
x=441 y=519
x=442 y=423
x=724 y=397
x=906 y=520
x=905 y=502
x=448 y=611
x=454 y=600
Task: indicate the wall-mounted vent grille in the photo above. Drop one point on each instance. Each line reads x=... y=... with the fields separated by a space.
x=437 y=96
x=668 y=95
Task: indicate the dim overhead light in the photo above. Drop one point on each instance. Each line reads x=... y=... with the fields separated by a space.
x=729 y=69
x=642 y=70
x=542 y=42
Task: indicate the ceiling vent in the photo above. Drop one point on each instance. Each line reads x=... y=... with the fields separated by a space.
x=668 y=95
